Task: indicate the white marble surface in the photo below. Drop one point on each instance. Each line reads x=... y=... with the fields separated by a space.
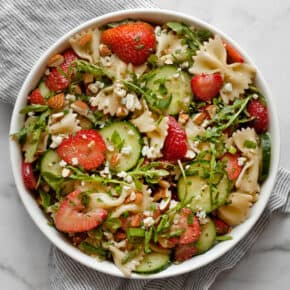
x=262 y=28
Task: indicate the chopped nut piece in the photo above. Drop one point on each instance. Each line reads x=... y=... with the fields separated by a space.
x=199 y=118
x=55 y=60
x=183 y=118
x=85 y=39
x=115 y=159
x=56 y=102
x=88 y=78
x=104 y=50
x=80 y=107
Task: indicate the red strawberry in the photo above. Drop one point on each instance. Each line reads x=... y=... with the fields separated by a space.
x=184 y=252
x=36 y=97
x=233 y=54
x=56 y=81
x=28 y=176
x=87 y=147
x=131 y=42
x=233 y=168
x=259 y=111
x=175 y=145
x=71 y=218
x=191 y=227
x=221 y=227
x=206 y=86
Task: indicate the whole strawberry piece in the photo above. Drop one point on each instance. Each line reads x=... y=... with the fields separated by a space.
x=259 y=111
x=175 y=146
x=36 y=98
x=56 y=80
x=206 y=86
x=131 y=42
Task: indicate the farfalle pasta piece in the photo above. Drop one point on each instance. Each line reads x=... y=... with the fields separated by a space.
x=86 y=44
x=157 y=139
x=145 y=122
x=237 y=210
x=248 y=178
x=66 y=125
x=131 y=207
x=118 y=257
x=212 y=57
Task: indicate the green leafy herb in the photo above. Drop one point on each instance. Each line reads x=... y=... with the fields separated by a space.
x=92 y=250
x=86 y=67
x=148 y=236
x=33 y=108
x=250 y=144
x=45 y=199
x=111 y=224
x=117 y=141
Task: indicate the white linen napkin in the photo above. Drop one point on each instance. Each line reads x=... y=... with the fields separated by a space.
x=27 y=29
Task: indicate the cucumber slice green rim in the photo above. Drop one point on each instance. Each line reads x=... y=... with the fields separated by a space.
x=266 y=156
x=121 y=135
x=207 y=237
x=172 y=87
x=153 y=263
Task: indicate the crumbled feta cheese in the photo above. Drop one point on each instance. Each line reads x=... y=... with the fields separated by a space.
x=57 y=116
x=99 y=84
x=190 y=154
x=241 y=161
x=191 y=70
x=129 y=179
x=70 y=97
x=83 y=183
x=110 y=148
x=185 y=64
x=133 y=196
x=176 y=76
x=65 y=172
x=205 y=123
x=56 y=140
x=173 y=204
x=255 y=96
x=164 y=203
x=102 y=125
x=145 y=150
x=147 y=213
x=197 y=196
x=106 y=171
x=93 y=88
x=228 y=88
x=126 y=150
x=62 y=163
x=91 y=144
x=131 y=132
x=168 y=61
x=31 y=114
x=132 y=103
x=122 y=174
x=106 y=61
x=148 y=222
x=108 y=235
x=202 y=216
x=75 y=161
x=119 y=90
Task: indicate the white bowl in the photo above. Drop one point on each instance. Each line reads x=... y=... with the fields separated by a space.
x=155 y=16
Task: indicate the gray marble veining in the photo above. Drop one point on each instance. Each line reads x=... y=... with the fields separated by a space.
x=262 y=28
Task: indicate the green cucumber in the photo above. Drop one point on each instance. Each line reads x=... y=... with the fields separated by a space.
x=167 y=82
x=50 y=169
x=153 y=263
x=207 y=237
x=44 y=90
x=122 y=135
x=266 y=156
x=197 y=191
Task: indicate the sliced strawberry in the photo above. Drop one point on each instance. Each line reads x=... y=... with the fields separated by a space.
x=71 y=217
x=222 y=228
x=175 y=145
x=190 y=224
x=233 y=54
x=233 y=168
x=131 y=42
x=56 y=81
x=206 y=86
x=184 y=252
x=28 y=176
x=259 y=111
x=36 y=98
x=86 y=148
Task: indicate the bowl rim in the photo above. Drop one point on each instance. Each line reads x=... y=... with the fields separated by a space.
x=38 y=217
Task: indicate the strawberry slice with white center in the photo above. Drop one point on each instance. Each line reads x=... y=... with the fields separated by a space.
x=72 y=218
x=85 y=149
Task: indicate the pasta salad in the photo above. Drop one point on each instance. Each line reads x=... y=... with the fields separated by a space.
x=145 y=144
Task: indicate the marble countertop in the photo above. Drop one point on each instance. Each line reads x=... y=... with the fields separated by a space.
x=262 y=29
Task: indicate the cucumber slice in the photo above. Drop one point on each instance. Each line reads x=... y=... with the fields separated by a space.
x=197 y=190
x=177 y=86
x=266 y=156
x=207 y=237
x=50 y=169
x=123 y=135
x=153 y=263
x=44 y=90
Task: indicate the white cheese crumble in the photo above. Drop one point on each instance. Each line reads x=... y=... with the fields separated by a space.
x=173 y=204
x=62 y=163
x=147 y=213
x=228 y=88
x=129 y=179
x=164 y=203
x=241 y=161
x=148 y=222
x=119 y=90
x=130 y=132
x=168 y=61
x=255 y=96
x=56 y=140
x=122 y=174
x=190 y=154
x=31 y=114
x=133 y=196
x=106 y=172
x=75 y=161
x=126 y=150
x=185 y=64
x=70 y=97
x=202 y=216
x=110 y=148
x=65 y=172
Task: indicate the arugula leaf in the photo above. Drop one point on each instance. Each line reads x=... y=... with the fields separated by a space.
x=45 y=199
x=85 y=67
x=92 y=250
x=148 y=236
x=117 y=141
x=33 y=108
